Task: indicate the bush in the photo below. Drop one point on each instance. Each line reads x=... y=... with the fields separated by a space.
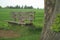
x=56 y=24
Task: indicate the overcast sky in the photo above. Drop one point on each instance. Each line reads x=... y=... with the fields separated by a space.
x=34 y=3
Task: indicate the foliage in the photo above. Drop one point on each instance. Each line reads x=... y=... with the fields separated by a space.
x=18 y=7
x=56 y=24
x=28 y=7
x=0 y=7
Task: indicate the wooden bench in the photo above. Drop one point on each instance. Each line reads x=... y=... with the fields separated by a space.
x=18 y=23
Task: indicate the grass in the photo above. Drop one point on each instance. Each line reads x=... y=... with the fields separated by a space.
x=5 y=14
x=31 y=37
x=26 y=32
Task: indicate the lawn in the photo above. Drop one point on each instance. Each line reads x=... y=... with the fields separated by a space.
x=25 y=32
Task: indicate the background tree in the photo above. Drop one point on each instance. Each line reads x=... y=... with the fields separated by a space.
x=25 y=7
x=0 y=7
x=17 y=7
x=22 y=7
x=28 y=7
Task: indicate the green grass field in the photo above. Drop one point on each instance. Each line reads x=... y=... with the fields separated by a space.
x=28 y=34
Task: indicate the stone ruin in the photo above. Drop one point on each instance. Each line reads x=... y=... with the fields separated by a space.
x=22 y=17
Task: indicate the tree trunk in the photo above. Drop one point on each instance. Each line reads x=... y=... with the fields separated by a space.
x=52 y=7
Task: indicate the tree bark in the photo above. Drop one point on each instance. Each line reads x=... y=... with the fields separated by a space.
x=52 y=7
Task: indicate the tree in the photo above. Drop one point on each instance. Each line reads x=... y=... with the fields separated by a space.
x=7 y=7
x=52 y=8
x=25 y=7
x=22 y=7
x=17 y=7
x=0 y=7
x=28 y=7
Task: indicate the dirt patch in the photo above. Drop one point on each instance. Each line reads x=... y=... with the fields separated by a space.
x=8 y=33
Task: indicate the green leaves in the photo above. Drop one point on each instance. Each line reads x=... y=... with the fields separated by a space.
x=56 y=24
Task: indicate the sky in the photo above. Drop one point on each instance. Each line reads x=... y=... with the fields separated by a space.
x=34 y=3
